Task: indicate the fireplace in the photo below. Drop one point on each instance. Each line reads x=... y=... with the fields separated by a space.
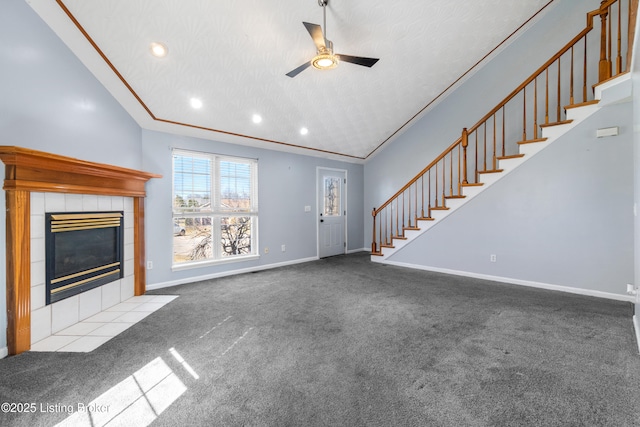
x=84 y=250
x=29 y=173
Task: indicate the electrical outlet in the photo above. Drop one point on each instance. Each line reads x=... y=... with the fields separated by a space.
x=266 y=250
x=284 y=248
x=493 y=258
x=149 y=265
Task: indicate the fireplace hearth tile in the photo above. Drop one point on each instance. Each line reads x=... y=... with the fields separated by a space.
x=110 y=329
x=133 y=316
x=64 y=314
x=40 y=324
x=54 y=342
x=85 y=344
x=149 y=306
x=104 y=316
x=162 y=298
x=81 y=329
x=127 y=286
x=38 y=297
x=124 y=306
x=91 y=333
x=90 y=303
x=38 y=275
x=110 y=294
x=143 y=298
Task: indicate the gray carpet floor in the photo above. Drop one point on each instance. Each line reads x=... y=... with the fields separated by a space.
x=345 y=342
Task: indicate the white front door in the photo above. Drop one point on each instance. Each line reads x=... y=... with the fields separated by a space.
x=332 y=204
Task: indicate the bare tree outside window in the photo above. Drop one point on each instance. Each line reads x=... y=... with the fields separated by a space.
x=215 y=206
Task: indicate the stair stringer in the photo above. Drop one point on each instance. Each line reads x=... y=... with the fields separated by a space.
x=552 y=133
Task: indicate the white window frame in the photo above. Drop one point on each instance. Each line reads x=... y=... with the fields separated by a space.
x=216 y=211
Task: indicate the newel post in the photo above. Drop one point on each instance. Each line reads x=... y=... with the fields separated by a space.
x=633 y=11
x=465 y=143
x=373 y=240
x=604 y=66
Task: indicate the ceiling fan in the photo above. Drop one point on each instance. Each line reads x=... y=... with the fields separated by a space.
x=325 y=58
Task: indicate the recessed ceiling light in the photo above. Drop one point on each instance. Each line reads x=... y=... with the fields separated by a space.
x=256 y=118
x=304 y=131
x=196 y=103
x=158 y=50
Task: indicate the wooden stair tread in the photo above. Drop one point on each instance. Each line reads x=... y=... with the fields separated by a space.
x=562 y=122
x=608 y=80
x=473 y=184
x=387 y=246
x=410 y=228
x=440 y=208
x=531 y=141
x=511 y=156
x=492 y=171
x=581 y=104
x=425 y=219
x=455 y=197
x=398 y=237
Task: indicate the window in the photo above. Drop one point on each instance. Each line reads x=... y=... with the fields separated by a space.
x=215 y=207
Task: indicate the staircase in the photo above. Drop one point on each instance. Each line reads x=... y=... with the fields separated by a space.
x=544 y=107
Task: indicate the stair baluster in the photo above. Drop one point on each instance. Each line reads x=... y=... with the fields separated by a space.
x=436 y=196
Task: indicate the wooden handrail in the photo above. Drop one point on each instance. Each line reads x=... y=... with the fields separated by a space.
x=418 y=176
x=462 y=144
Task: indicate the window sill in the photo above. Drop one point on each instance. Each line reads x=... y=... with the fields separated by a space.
x=211 y=262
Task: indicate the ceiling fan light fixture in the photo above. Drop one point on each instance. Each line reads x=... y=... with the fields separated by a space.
x=325 y=61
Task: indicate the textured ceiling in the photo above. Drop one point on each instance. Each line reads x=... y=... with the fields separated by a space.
x=233 y=55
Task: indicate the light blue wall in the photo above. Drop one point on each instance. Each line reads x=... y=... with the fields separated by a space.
x=595 y=253
x=287 y=183
x=400 y=160
x=635 y=78
x=563 y=218
x=50 y=102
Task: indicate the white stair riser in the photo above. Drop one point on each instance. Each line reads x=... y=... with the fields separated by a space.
x=510 y=164
x=489 y=178
x=530 y=149
x=455 y=203
x=470 y=192
x=577 y=114
x=581 y=113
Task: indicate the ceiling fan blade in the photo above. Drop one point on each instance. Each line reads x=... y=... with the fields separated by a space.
x=359 y=60
x=298 y=70
x=315 y=31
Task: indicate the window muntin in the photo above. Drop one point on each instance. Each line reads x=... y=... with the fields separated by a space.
x=215 y=207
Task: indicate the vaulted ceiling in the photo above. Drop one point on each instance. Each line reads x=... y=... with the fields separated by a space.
x=233 y=57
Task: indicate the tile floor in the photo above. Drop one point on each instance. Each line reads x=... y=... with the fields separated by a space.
x=91 y=333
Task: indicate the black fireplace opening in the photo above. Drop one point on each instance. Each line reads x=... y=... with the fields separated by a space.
x=84 y=250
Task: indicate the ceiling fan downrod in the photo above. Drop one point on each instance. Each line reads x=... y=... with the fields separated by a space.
x=323 y=4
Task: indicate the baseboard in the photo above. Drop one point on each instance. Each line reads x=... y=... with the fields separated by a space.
x=636 y=327
x=548 y=286
x=353 y=251
x=193 y=279
x=4 y=352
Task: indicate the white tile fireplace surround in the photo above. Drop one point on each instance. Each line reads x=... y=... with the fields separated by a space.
x=73 y=314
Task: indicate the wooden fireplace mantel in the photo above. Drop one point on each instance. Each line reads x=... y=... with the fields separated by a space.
x=33 y=170
x=29 y=171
